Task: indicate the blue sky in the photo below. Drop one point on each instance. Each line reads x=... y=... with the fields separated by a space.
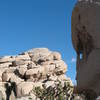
x=26 y=24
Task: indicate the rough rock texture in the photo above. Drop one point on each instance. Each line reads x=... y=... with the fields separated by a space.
x=86 y=41
x=36 y=67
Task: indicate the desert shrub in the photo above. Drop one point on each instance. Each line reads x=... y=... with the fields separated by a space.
x=58 y=92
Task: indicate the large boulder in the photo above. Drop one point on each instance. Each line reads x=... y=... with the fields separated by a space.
x=86 y=41
x=7 y=59
x=39 y=54
x=24 y=88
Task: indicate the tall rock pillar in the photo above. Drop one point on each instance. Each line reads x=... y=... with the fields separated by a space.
x=86 y=42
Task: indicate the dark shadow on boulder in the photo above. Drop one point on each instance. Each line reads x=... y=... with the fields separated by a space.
x=11 y=86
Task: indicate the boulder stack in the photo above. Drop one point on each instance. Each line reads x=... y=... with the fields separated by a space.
x=36 y=67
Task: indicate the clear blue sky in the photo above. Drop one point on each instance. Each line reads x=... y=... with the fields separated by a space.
x=26 y=24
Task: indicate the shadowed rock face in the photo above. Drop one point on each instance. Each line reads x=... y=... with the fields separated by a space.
x=86 y=42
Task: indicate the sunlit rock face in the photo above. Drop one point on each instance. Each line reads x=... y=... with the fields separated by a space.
x=33 y=68
x=86 y=42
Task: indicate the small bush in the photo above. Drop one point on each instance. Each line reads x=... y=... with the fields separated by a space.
x=59 y=92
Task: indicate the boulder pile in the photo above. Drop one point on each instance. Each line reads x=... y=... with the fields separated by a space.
x=36 y=67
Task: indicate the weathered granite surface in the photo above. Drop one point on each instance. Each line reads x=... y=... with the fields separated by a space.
x=86 y=41
x=36 y=67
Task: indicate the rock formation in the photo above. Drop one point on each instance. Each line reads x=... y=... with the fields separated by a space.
x=86 y=41
x=36 y=67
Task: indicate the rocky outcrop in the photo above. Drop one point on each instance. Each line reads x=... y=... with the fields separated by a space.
x=86 y=41
x=34 y=68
